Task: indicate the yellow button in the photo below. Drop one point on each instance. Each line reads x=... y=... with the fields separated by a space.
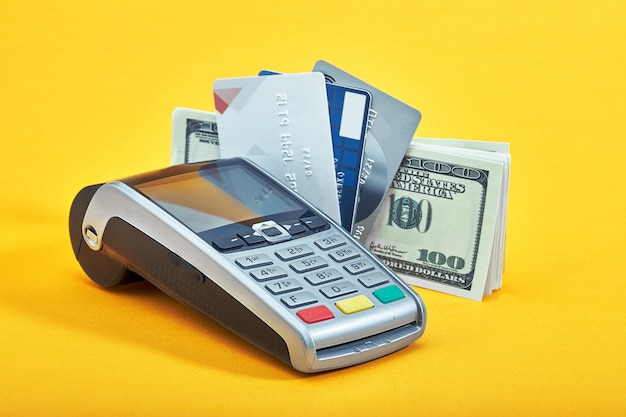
x=354 y=304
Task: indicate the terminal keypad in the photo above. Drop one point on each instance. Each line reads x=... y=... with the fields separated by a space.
x=321 y=280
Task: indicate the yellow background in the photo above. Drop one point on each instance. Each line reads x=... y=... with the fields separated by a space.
x=87 y=89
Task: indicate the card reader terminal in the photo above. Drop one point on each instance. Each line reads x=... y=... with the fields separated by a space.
x=230 y=241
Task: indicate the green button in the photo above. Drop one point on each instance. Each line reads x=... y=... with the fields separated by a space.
x=389 y=294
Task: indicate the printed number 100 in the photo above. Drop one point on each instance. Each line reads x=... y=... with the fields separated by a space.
x=407 y=213
x=439 y=258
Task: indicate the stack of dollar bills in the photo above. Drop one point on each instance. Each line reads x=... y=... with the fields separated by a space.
x=433 y=210
x=443 y=223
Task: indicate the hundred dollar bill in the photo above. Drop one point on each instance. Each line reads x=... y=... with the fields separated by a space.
x=194 y=136
x=436 y=227
x=498 y=151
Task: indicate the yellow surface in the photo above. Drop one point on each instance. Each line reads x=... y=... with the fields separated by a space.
x=87 y=90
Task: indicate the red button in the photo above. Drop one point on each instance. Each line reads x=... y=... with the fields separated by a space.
x=315 y=314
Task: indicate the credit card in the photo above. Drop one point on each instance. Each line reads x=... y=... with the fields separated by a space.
x=348 y=110
x=388 y=138
x=194 y=136
x=269 y=72
x=282 y=124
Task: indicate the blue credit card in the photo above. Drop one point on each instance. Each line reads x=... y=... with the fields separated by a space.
x=349 y=109
x=269 y=72
x=391 y=130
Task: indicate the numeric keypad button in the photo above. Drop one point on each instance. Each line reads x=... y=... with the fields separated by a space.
x=299 y=299
x=283 y=286
x=358 y=267
x=268 y=273
x=308 y=264
x=339 y=289
x=344 y=254
x=294 y=252
x=373 y=280
x=330 y=242
x=322 y=277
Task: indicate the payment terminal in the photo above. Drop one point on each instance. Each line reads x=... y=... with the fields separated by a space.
x=230 y=241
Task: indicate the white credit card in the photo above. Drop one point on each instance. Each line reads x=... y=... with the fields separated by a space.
x=282 y=124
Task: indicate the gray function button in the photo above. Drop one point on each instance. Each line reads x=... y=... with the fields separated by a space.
x=267 y=273
x=308 y=264
x=314 y=223
x=322 y=277
x=294 y=252
x=294 y=227
x=251 y=237
x=330 y=242
x=253 y=261
x=339 y=289
x=228 y=243
x=373 y=280
x=359 y=266
x=344 y=254
x=299 y=299
x=283 y=286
